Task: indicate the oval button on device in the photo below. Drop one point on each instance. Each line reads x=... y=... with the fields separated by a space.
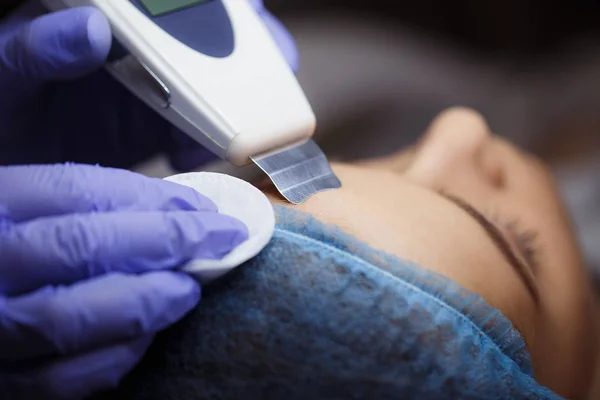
x=202 y=25
x=241 y=200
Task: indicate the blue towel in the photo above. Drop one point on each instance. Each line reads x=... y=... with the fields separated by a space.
x=320 y=315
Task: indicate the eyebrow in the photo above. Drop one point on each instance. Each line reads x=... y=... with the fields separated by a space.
x=501 y=243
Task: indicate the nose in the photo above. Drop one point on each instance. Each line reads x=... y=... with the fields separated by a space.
x=458 y=146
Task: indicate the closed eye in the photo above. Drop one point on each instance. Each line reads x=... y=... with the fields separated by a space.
x=502 y=243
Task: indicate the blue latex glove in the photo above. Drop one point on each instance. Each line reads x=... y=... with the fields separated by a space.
x=87 y=259
x=49 y=116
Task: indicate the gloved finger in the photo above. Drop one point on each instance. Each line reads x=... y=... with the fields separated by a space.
x=65 y=250
x=51 y=190
x=62 y=45
x=284 y=39
x=76 y=377
x=91 y=314
x=282 y=36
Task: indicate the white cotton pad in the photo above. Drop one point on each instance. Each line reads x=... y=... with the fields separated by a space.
x=241 y=200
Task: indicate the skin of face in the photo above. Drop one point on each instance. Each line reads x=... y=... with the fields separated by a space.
x=398 y=204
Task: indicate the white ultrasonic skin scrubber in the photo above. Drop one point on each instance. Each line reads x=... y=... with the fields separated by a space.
x=212 y=69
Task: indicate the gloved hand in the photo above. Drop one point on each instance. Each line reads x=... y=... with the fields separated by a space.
x=87 y=272
x=47 y=115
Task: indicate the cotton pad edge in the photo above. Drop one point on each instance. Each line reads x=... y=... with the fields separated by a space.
x=241 y=200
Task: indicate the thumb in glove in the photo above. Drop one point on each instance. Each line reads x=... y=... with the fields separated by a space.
x=58 y=46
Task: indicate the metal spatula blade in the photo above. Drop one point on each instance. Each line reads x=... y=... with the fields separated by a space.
x=299 y=172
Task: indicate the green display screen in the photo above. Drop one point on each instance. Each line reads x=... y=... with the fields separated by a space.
x=160 y=7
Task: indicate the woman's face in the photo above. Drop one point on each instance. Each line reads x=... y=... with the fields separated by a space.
x=477 y=210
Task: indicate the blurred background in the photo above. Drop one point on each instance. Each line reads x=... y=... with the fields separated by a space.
x=377 y=72
x=530 y=67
